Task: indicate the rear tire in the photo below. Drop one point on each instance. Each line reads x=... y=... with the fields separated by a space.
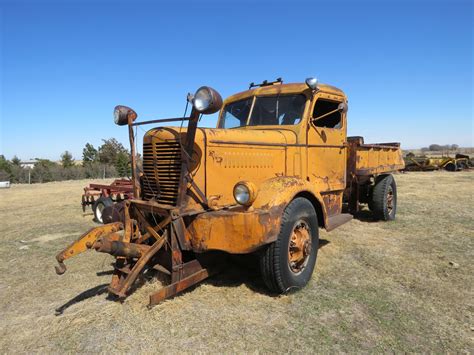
x=288 y=263
x=99 y=206
x=384 y=198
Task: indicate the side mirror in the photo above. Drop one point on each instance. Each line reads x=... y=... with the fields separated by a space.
x=342 y=107
x=122 y=115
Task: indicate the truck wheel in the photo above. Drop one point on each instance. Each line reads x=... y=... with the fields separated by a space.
x=288 y=263
x=384 y=198
x=99 y=206
x=450 y=167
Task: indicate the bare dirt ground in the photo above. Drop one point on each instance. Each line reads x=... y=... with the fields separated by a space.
x=400 y=286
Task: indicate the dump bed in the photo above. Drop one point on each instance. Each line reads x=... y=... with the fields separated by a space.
x=372 y=159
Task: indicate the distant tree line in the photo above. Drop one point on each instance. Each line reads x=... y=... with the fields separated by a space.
x=438 y=147
x=109 y=160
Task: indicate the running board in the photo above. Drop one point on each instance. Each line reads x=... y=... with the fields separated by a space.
x=338 y=220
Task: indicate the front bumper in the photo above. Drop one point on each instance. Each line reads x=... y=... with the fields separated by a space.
x=235 y=232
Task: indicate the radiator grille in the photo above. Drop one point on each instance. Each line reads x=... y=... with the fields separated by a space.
x=161 y=172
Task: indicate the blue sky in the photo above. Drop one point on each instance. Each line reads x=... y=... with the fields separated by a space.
x=406 y=66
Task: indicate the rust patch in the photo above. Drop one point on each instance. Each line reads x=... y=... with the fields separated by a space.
x=235 y=232
x=333 y=203
x=215 y=157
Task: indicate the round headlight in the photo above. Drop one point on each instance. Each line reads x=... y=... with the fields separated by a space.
x=116 y=116
x=122 y=114
x=202 y=99
x=207 y=100
x=245 y=193
x=241 y=194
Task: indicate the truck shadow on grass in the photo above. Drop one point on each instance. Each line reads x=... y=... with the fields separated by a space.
x=244 y=270
x=365 y=216
x=238 y=270
x=92 y=292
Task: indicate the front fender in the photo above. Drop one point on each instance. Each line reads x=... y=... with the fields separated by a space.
x=239 y=230
x=278 y=192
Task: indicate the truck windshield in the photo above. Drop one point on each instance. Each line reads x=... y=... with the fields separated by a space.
x=267 y=110
x=236 y=114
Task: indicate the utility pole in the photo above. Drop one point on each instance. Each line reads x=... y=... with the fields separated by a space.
x=29 y=170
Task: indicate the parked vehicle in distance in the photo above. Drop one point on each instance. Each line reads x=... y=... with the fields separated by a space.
x=278 y=167
x=458 y=163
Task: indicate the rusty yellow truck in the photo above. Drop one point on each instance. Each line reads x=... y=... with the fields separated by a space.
x=278 y=167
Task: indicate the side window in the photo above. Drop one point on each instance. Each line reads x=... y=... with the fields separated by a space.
x=321 y=109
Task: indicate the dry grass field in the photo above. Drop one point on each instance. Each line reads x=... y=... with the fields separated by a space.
x=404 y=286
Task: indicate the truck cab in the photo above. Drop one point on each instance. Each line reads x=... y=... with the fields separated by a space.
x=314 y=126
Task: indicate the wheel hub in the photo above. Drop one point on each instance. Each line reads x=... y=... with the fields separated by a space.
x=299 y=247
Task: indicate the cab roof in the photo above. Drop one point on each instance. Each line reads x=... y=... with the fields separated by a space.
x=291 y=88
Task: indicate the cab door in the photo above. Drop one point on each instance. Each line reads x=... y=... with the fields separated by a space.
x=327 y=150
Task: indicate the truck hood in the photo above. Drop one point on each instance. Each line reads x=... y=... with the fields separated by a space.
x=223 y=157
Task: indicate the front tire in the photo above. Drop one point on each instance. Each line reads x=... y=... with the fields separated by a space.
x=288 y=263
